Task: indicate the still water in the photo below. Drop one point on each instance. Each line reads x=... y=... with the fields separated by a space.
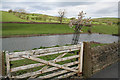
x=27 y=43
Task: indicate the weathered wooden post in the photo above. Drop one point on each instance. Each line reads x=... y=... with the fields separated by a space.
x=2 y=64
x=8 y=64
x=80 y=60
x=87 y=63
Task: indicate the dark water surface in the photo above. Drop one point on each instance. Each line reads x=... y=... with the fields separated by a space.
x=27 y=43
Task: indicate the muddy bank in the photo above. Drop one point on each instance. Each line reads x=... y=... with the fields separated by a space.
x=116 y=35
x=31 y=35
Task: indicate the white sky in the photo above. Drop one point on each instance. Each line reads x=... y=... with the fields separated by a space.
x=93 y=8
x=60 y=0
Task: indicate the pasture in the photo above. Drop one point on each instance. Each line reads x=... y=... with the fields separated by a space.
x=9 y=29
x=9 y=17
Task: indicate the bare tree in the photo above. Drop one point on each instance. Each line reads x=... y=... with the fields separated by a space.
x=61 y=15
x=77 y=25
x=80 y=22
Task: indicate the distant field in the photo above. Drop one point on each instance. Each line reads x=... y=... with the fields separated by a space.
x=32 y=17
x=9 y=17
x=101 y=25
x=28 y=29
x=106 y=20
x=105 y=29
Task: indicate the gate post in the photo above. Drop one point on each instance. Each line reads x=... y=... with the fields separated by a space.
x=2 y=64
x=80 y=60
x=87 y=63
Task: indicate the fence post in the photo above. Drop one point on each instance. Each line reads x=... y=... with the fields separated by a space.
x=80 y=60
x=87 y=63
x=8 y=64
x=2 y=64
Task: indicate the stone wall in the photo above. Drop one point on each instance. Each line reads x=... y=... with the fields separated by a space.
x=103 y=56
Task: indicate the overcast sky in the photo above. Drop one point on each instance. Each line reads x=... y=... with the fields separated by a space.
x=101 y=8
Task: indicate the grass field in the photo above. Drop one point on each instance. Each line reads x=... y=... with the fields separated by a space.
x=105 y=20
x=29 y=29
x=9 y=17
x=24 y=29
x=105 y=29
x=9 y=29
x=13 y=17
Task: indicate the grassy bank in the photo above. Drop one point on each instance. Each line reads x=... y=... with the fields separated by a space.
x=9 y=29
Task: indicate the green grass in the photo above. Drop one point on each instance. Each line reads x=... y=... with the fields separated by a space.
x=95 y=45
x=28 y=29
x=12 y=17
x=105 y=29
x=24 y=29
x=101 y=20
x=9 y=17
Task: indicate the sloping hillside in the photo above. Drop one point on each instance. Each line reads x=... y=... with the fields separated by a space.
x=9 y=17
x=114 y=20
x=31 y=17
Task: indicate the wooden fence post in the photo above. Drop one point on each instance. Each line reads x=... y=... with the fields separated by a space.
x=87 y=63
x=80 y=60
x=8 y=64
x=2 y=64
